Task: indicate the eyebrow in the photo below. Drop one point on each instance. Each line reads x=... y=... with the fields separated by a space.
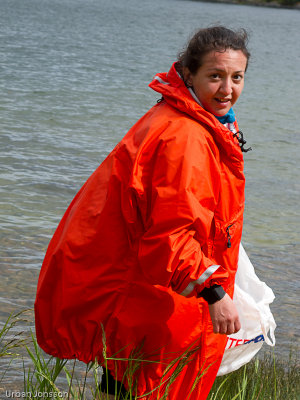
x=221 y=70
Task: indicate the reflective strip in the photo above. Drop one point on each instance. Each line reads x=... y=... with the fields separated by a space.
x=161 y=81
x=231 y=127
x=193 y=94
x=206 y=274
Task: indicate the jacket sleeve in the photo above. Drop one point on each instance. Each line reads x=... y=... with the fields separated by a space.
x=177 y=206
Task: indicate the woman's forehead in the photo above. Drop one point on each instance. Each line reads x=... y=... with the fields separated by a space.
x=223 y=59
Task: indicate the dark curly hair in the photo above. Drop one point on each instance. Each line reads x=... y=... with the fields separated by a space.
x=217 y=38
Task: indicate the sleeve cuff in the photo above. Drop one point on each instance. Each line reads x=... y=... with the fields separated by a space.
x=212 y=294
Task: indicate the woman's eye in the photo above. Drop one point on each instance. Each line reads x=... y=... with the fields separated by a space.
x=215 y=76
x=238 y=77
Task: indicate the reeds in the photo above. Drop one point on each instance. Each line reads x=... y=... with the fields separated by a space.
x=10 y=340
x=268 y=378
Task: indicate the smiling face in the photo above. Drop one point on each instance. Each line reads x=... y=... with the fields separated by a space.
x=219 y=81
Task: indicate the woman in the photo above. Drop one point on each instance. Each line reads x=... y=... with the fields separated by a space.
x=147 y=251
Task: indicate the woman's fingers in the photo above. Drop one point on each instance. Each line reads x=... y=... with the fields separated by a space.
x=227 y=329
x=224 y=316
x=237 y=326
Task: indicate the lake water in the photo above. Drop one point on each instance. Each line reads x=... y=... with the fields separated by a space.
x=73 y=79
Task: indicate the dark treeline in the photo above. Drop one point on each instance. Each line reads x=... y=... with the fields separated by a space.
x=279 y=2
x=268 y=3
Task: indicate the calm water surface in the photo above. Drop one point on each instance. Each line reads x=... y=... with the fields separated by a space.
x=73 y=79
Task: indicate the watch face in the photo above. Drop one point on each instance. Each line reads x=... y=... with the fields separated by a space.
x=212 y=294
x=217 y=293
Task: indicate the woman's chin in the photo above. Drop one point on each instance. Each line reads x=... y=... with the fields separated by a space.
x=221 y=112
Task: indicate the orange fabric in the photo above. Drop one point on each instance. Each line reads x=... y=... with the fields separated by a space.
x=150 y=220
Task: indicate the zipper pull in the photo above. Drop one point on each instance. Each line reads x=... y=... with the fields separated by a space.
x=228 y=236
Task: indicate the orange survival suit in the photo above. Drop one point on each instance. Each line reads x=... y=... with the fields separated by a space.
x=156 y=223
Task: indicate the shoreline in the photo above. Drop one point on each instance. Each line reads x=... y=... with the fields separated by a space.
x=256 y=3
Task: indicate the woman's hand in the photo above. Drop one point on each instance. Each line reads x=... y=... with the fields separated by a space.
x=224 y=316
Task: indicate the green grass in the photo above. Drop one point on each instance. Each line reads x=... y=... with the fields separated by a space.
x=268 y=378
x=10 y=342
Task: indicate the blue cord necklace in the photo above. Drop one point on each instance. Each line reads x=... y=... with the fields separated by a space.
x=227 y=118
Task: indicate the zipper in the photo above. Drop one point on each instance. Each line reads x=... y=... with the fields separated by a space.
x=228 y=236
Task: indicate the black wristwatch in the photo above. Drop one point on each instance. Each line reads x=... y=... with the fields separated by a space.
x=212 y=294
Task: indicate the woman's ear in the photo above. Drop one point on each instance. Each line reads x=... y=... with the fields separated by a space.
x=187 y=77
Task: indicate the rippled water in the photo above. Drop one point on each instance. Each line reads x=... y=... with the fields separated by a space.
x=73 y=79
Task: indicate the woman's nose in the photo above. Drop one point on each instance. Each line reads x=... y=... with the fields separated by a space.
x=226 y=87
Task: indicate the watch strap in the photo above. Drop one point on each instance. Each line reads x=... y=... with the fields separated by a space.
x=212 y=294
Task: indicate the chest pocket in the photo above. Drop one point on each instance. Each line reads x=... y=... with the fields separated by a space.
x=227 y=234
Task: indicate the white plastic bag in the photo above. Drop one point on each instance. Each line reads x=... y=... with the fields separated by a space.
x=252 y=298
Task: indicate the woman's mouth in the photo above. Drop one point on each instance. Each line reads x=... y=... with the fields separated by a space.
x=222 y=100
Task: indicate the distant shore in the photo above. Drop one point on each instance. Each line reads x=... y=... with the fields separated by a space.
x=290 y=4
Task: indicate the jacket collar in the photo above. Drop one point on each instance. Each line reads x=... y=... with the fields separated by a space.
x=174 y=91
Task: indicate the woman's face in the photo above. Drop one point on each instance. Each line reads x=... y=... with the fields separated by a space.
x=219 y=82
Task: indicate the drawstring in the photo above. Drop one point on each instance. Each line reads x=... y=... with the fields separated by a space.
x=228 y=236
x=239 y=134
x=240 y=137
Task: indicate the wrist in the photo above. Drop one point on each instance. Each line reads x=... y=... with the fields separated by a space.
x=212 y=294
